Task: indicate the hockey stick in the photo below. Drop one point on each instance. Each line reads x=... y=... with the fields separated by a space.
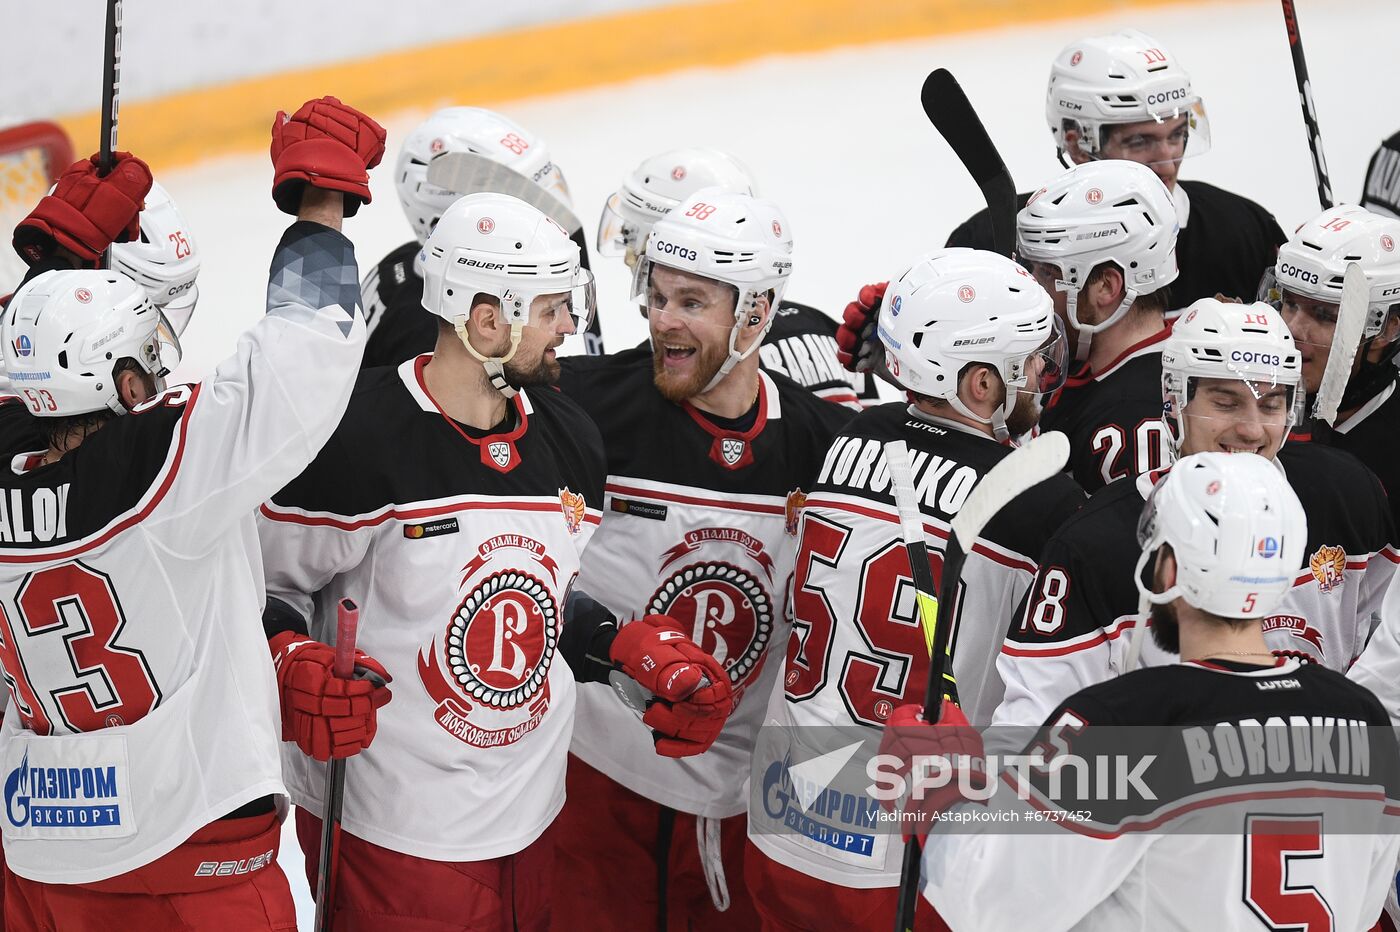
x=1035 y=462
x=1305 y=99
x=467 y=172
x=111 y=98
x=111 y=87
x=952 y=114
x=1346 y=337
x=347 y=624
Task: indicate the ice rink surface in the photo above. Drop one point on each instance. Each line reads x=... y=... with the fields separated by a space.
x=839 y=141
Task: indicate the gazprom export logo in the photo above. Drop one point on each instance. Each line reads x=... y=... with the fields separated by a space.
x=801 y=798
x=82 y=797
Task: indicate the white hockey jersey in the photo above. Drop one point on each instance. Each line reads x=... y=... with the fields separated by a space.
x=459 y=548
x=701 y=525
x=1288 y=848
x=1083 y=608
x=857 y=650
x=143 y=700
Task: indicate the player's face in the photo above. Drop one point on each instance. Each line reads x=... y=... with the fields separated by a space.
x=1312 y=324
x=535 y=361
x=1235 y=416
x=690 y=318
x=1159 y=146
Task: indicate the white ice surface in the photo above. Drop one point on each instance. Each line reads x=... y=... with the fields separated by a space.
x=839 y=141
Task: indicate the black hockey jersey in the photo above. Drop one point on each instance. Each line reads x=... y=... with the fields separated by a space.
x=700 y=523
x=1225 y=246
x=1282 y=773
x=400 y=327
x=1372 y=435
x=1083 y=604
x=460 y=547
x=1113 y=418
x=801 y=345
x=857 y=650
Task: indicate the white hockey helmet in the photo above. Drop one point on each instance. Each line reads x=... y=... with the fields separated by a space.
x=740 y=240
x=165 y=260
x=1314 y=260
x=1236 y=529
x=1097 y=212
x=468 y=129
x=498 y=245
x=956 y=307
x=64 y=332
x=656 y=186
x=1222 y=340
x=1126 y=77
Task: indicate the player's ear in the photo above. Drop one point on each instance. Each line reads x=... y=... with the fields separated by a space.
x=1071 y=145
x=981 y=383
x=1165 y=571
x=486 y=314
x=1111 y=285
x=133 y=388
x=758 y=314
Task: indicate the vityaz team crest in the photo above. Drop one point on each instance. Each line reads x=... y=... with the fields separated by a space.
x=491 y=683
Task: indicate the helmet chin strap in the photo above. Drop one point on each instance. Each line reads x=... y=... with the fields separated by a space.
x=997 y=422
x=1086 y=332
x=495 y=366
x=735 y=356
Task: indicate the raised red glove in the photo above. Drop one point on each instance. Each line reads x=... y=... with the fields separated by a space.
x=857 y=346
x=693 y=695
x=85 y=214
x=327 y=145
x=325 y=715
x=911 y=739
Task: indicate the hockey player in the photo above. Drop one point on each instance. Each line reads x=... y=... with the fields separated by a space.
x=164 y=259
x=1231 y=382
x=1220 y=538
x=1380 y=193
x=988 y=346
x=708 y=460
x=140 y=743
x=399 y=328
x=801 y=343
x=1124 y=96
x=461 y=556
x=1308 y=278
x=1101 y=239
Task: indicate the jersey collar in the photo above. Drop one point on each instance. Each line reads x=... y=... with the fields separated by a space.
x=1183 y=204
x=497 y=451
x=1141 y=348
x=734 y=449
x=1281 y=666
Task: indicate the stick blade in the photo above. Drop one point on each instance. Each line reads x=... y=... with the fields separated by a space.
x=952 y=114
x=1346 y=338
x=1030 y=464
x=468 y=172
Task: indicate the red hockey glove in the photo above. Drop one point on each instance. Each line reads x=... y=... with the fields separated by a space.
x=693 y=695
x=85 y=214
x=327 y=145
x=325 y=715
x=857 y=345
x=914 y=741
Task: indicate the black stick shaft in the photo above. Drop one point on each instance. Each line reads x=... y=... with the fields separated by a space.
x=953 y=559
x=111 y=87
x=1305 y=100
x=347 y=625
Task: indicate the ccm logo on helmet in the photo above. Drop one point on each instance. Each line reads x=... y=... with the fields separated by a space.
x=1292 y=271
x=1161 y=97
x=1267 y=359
x=671 y=249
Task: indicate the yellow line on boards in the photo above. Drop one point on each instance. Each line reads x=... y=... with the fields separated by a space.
x=189 y=126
